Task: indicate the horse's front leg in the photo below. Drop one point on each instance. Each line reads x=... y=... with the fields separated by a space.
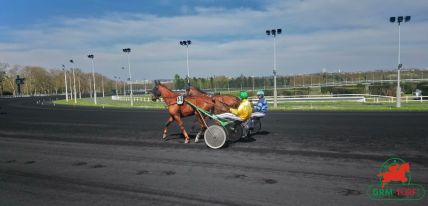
x=165 y=130
x=180 y=123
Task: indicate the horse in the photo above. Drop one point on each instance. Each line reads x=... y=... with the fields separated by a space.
x=176 y=111
x=222 y=102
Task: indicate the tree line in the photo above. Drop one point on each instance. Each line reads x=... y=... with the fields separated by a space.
x=222 y=82
x=39 y=80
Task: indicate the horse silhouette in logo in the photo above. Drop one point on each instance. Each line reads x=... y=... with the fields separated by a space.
x=396 y=172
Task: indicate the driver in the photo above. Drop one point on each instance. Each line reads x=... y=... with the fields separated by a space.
x=243 y=112
x=261 y=107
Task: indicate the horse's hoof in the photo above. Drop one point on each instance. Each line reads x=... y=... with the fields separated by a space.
x=164 y=136
x=196 y=140
x=187 y=141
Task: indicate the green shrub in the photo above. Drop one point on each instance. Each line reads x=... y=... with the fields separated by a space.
x=383 y=89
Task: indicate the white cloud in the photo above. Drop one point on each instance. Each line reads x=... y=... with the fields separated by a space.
x=344 y=35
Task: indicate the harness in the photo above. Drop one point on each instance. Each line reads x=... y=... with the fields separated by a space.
x=180 y=101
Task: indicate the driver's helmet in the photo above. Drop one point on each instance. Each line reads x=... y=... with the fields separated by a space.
x=260 y=93
x=243 y=95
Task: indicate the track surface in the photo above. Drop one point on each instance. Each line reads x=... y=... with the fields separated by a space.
x=88 y=156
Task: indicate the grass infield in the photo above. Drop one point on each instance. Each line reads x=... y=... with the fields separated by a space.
x=108 y=102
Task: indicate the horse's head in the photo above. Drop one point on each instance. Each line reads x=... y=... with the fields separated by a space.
x=405 y=167
x=155 y=91
x=191 y=90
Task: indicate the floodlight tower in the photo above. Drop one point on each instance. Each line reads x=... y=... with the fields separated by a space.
x=399 y=20
x=74 y=82
x=127 y=51
x=274 y=32
x=91 y=56
x=187 y=44
x=65 y=82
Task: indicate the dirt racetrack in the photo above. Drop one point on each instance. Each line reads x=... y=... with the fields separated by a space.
x=52 y=155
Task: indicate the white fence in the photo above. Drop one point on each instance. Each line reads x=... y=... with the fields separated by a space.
x=136 y=98
x=343 y=97
x=18 y=96
x=310 y=98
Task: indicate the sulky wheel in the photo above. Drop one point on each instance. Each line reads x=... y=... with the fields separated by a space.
x=215 y=136
x=257 y=125
x=234 y=131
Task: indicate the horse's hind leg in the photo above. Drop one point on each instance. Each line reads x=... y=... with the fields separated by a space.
x=165 y=130
x=183 y=130
x=202 y=126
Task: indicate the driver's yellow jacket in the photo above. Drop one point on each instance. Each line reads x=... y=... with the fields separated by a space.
x=244 y=110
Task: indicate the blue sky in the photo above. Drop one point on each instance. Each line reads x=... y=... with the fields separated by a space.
x=228 y=36
x=27 y=12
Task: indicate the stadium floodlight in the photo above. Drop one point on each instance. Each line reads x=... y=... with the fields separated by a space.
x=187 y=43
x=274 y=32
x=407 y=18
x=399 y=20
x=74 y=82
x=91 y=56
x=65 y=82
x=127 y=51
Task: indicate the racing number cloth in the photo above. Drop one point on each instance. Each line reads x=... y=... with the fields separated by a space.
x=244 y=110
x=180 y=100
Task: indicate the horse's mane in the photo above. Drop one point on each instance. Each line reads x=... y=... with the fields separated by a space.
x=169 y=90
x=199 y=90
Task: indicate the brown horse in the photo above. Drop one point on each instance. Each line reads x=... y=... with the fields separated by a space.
x=176 y=111
x=222 y=102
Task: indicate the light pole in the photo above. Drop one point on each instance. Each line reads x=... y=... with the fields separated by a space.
x=90 y=87
x=215 y=85
x=74 y=82
x=91 y=56
x=115 y=78
x=253 y=82
x=80 y=91
x=274 y=32
x=127 y=51
x=102 y=83
x=65 y=82
x=70 y=86
x=187 y=44
x=124 y=85
x=303 y=80
x=228 y=84
x=399 y=20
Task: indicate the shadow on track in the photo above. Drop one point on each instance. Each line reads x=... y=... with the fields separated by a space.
x=253 y=137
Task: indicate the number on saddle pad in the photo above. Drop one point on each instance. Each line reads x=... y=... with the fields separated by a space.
x=180 y=100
